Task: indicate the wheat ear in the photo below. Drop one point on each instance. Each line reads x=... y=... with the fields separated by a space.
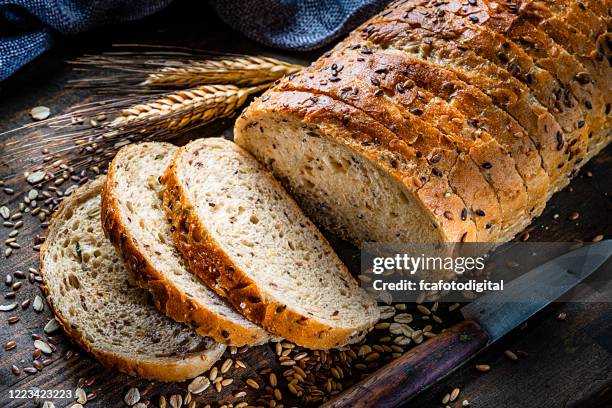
x=244 y=71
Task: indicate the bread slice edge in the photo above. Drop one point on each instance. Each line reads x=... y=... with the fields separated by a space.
x=166 y=369
x=168 y=298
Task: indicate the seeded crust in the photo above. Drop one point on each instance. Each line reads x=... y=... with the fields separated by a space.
x=164 y=366
x=221 y=272
x=589 y=43
x=549 y=122
x=476 y=55
x=384 y=72
x=578 y=112
x=170 y=298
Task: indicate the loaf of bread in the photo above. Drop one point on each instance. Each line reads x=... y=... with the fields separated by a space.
x=134 y=221
x=88 y=289
x=242 y=234
x=441 y=121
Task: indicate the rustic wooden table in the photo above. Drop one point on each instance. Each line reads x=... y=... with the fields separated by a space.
x=562 y=362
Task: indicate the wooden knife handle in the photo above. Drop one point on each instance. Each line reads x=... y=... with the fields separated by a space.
x=416 y=370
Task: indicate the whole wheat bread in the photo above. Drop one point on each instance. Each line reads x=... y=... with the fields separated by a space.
x=246 y=237
x=134 y=221
x=338 y=137
x=87 y=287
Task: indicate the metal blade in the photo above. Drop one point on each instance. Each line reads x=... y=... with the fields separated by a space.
x=500 y=312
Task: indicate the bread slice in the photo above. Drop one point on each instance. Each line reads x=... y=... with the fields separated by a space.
x=246 y=237
x=87 y=287
x=135 y=222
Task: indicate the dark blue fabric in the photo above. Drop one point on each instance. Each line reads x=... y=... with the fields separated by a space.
x=27 y=27
x=296 y=24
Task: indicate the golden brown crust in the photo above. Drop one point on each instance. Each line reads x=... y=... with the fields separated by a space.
x=215 y=267
x=169 y=299
x=383 y=73
x=351 y=127
x=172 y=369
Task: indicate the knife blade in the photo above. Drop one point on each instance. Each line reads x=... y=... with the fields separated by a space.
x=497 y=313
x=487 y=319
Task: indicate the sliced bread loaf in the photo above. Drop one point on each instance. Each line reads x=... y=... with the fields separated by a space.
x=87 y=287
x=246 y=237
x=134 y=221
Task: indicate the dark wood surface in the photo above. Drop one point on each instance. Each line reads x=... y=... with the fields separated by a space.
x=561 y=362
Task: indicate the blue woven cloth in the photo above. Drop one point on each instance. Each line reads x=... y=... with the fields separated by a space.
x=28 y=27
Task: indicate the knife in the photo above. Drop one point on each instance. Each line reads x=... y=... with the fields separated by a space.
x=487 y=319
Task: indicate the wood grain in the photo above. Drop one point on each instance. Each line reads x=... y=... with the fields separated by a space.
x=569 y=362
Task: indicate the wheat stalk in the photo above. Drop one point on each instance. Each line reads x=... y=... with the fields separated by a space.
x=81 y=132
x=235 y=70
x=151 y=70
x=180 y=109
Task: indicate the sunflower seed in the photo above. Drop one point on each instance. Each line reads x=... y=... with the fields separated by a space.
x=198 y=385
x=36 y=177
x=42 y=346
x=38 y=304
x=132 y=396
x=40 y=113
x=81 y=396
x=51 y=326
x=8 y=307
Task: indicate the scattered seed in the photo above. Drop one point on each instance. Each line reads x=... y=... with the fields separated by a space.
x=198 y=385
x=406 y=318
x=176 y=401
x=511 y=355
x=81 y=396
x=42 y=346
x=36 y=177
x=8 y=307
x=227 y=364
x=132 y=396
x=597 y=238
x=15 y=370
x=562 y=316
x=573 y=216
x=212 y=375
x=10 y=345
x=445 y=399
x=5 y=212
x=454 y=394
x=38 y=304
x=252 y=383
x=51 y=327
x=40 y=113
x=483 y=368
